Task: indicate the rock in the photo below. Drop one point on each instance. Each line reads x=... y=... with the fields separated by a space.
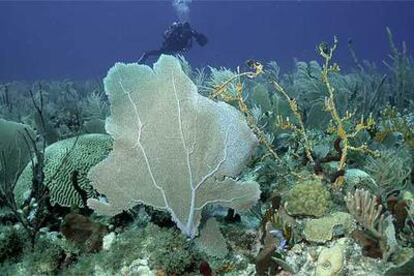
x=331 y=260
x=108 y=240
x=250 y=270
x=138 y=267
x=405 y=263
x=83 y=231
x=408 y=196
x=95 y=126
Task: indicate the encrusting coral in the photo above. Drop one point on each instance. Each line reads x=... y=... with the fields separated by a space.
x=324 y=229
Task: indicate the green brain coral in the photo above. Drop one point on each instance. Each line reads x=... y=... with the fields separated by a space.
x=308 y=199
x=62 y=159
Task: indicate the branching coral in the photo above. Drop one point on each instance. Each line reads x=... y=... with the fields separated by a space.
x=231 y=90
x=343 y=127
x=338 y=122
x=287 y=124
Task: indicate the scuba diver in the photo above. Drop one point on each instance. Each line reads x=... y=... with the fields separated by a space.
x=178 y=38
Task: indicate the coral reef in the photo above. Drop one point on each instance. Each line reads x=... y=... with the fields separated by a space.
x=211 y=171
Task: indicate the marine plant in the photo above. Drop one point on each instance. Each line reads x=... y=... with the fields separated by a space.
x=391 y=171
x=166 y=249
x=407 y=234
x=402 y=69
x=14 y=105
x=11 y=243
x=342 y=126
x=35 y=213
x=369 y=88
x=67 y=106
x=314 y=124
x=45 y=258
x=95 y=106
x=306 y=87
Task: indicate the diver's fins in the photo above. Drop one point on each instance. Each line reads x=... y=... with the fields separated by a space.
x=201 y=39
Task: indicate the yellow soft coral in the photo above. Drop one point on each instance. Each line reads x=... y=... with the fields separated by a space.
x=337 y=124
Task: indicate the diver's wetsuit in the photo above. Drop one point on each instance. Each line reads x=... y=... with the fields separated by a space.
x=178 y=38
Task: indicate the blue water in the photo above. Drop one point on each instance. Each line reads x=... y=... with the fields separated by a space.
x=81 y=40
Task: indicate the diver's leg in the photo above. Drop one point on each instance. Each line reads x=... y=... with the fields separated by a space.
x=200 y=38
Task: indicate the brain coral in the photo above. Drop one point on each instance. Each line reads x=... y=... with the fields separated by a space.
x=62 y=159
x=309 y=198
